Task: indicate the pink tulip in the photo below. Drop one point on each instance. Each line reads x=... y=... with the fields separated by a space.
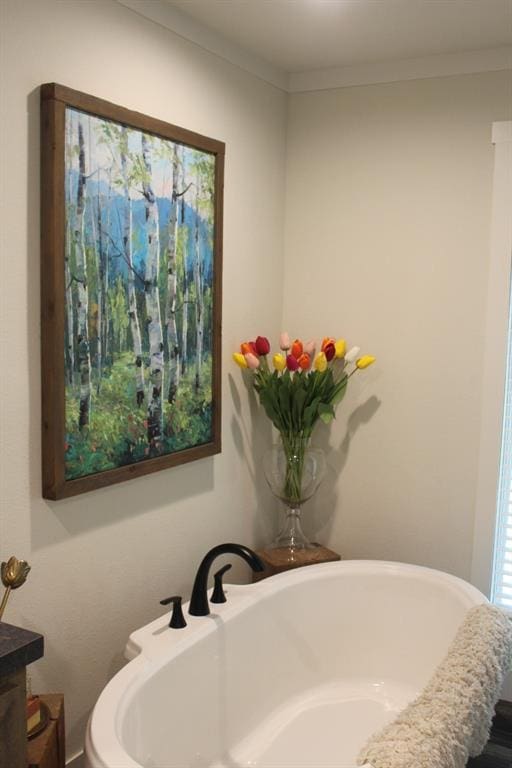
x=252 y=361
x=284 y=342
x=309 y=348
x=291 y=363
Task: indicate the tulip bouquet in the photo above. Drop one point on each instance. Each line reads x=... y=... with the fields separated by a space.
x=298 y=389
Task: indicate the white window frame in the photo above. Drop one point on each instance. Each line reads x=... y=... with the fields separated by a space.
x=494 y=362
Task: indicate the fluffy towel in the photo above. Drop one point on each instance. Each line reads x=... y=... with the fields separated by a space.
x=450 y=720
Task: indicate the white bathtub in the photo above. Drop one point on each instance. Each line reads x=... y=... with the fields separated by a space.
x=295 y=671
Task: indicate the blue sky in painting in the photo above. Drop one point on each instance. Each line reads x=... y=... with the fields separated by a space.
x=103 y=164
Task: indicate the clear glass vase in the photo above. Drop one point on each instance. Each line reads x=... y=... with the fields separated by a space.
x=293 y=471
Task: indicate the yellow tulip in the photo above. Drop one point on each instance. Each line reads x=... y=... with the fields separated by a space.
x=340 y=347
x=240 y=359
x=279 y=362
x=320 y=362
x=365 y=361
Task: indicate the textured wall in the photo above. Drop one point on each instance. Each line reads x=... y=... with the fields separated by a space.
x=387 y=242
x=101 y=562
x=386 y=233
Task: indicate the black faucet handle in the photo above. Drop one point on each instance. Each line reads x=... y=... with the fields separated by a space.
x=218 y=595
x=177 y=619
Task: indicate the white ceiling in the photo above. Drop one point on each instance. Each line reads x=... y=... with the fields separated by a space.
x=302 y=35
x=301 y=45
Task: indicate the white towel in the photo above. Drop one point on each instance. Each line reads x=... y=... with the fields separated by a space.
x=450 y=720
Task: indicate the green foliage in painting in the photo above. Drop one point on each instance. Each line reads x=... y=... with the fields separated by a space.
x=139 y=295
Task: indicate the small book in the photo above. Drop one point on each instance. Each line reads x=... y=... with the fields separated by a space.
x=33 y=712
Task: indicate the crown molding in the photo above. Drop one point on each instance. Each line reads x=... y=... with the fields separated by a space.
x=468 y=62
x=442 y=65
x=209 y=40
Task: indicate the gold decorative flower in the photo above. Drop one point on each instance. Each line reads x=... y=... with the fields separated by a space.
x=14 y=572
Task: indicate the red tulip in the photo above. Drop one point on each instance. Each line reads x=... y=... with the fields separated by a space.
x=291 y=363
x=329 y=351
x=326 y=341
x=297 y=349
x=262 y=345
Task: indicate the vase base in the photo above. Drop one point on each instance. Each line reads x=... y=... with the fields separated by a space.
x=291 y=544
x=291 y=553
x=280 y=560
x=291 y=537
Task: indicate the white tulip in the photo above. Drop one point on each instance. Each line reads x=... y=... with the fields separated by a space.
x=352 y=354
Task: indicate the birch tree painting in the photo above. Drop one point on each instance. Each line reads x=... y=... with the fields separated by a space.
x=139 y=283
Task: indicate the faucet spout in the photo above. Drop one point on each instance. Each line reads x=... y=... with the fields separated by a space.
x=199 y=599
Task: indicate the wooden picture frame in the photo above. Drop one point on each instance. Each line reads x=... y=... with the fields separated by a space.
x=131 y=293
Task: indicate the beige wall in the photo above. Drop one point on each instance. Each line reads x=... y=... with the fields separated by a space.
x=102 y=561
x=387 y=242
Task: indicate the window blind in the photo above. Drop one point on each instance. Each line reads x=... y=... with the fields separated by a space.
x=502 y=571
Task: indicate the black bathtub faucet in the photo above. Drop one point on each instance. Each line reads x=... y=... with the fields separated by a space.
x=199 y=599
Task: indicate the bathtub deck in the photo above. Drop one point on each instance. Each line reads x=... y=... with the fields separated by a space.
x=325 y=727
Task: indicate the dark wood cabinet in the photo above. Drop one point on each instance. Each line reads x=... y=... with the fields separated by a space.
x=283 y=559
x=47 y=749
x=18 y=648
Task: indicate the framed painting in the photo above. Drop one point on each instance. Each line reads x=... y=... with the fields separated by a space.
x=131 y=248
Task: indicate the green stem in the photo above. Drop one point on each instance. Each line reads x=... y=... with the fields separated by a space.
x=294 y=447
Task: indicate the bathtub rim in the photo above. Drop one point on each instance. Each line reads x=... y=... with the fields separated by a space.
x=244 y=595
x=103 y=746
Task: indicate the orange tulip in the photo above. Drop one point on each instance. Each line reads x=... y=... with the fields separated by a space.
x=248 y=348
x=304 y=361
x=297 y=349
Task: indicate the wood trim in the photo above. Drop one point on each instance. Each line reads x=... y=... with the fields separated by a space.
x=54 y=100
x=401 y=70
x=217 y=303
x=13 y=720
x=52 y=293
x=106 y=109
x=131 y=471
x=494 y=344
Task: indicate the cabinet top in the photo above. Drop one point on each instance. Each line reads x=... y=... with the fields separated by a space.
x=18 y=647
